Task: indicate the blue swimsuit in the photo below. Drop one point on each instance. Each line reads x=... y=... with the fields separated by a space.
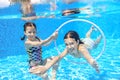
x=35 y=56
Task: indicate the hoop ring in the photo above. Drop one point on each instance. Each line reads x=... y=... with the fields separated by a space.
x=87 y=21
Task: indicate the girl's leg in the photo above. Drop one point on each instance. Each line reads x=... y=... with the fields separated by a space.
x=88 y=34
x=53 y=6
x=97 y=41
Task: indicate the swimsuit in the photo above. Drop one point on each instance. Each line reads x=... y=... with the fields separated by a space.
x=89 y=43
x=29 y=15
x=35 y=57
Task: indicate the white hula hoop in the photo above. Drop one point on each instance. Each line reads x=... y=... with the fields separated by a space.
x=83 y=20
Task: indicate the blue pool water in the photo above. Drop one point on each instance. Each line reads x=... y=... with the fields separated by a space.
x=13 y=57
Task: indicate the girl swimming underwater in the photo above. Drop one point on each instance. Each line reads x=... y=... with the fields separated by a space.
x=78 y=49
x=33 y=46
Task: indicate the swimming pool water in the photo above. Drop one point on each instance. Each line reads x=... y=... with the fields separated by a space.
x=16 y=67
x=13 y=57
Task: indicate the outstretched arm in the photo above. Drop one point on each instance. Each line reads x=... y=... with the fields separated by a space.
x=63 y=54
x=50 y=62
x=89 y=58
x=43 y=42
x=49 y=39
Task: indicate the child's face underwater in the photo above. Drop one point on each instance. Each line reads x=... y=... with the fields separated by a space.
x=71 y=45
x=30 y=32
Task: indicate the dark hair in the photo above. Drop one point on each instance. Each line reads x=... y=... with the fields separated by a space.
x=29 y=24
x=74 y=35
x=26 y=25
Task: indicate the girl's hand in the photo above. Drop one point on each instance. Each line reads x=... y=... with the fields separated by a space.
x=95 y=65
x=55 y=34
x=38 y=69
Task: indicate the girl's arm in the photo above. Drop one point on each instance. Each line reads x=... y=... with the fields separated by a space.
x=38 y=43
x=88 y=57
x=29 y=43
x=63 y=54
x=32 y=43
x=49 y=39
x=54 y=60
x=49 y=64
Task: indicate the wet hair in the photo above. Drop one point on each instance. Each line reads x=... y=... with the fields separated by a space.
x=30 y=24
x=74 y=35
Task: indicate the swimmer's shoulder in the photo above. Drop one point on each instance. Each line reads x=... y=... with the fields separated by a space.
x=81 y=47
x=28 y=44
